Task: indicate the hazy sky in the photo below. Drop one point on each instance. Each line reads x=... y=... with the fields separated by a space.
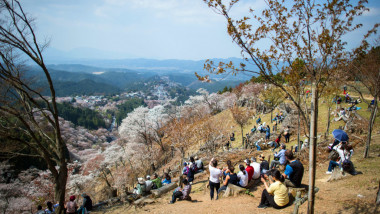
x=158 y=29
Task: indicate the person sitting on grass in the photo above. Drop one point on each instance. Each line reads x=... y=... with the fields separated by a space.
x=242 y=176
x=231 y=178
x=294 y=170
x=253 y=130
x=183 y=194
x=167 y=179
x=281 y=156
x=264 y=165
x=275 y=195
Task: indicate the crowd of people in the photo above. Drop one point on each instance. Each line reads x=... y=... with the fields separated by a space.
x=71 y=206
x=275 y=194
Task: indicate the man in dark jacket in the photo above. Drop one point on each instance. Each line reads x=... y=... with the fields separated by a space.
x=294 y=170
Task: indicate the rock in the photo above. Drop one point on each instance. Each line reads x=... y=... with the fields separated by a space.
x=233 y=190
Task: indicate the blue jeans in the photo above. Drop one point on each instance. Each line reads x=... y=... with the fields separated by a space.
x=258 y=147
x=332 y=165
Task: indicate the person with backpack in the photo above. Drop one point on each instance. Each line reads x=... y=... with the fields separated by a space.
x=185 y=169
x=190 y=174
x=71 y=206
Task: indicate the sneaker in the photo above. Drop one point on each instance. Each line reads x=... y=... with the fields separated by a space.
x=328 y=173
x=262 y=206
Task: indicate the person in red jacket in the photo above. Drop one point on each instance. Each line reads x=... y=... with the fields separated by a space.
x=249 y=169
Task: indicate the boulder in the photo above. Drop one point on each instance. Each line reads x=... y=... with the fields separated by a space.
x=233 y=190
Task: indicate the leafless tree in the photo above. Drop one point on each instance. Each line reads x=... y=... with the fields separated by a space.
x=26 y=117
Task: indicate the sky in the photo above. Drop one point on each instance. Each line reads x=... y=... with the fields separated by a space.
x=156 y=29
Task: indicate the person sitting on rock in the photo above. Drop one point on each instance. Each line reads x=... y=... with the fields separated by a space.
x=253 y=130
x=231 y=178
x=294 y=170
x=167 y=179
x=242 y=176
x=183 y=194
x=141 y=187
x=281 y=156
x=275 y=195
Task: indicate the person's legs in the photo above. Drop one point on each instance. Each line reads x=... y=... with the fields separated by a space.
x=332 y=165
x=288 y=183
x=176 y=195
x=221 y=189
x=212 y=187
x=264 y=200
x=274 y=163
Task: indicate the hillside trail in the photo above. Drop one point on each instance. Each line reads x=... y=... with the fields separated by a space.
x=352 y=194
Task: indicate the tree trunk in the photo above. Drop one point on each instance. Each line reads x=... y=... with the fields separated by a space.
x=370 y=127
x=242 y=135
x=160 y=191
x=60 y=188
x=271 y=116
x=299 y=123
x=328 y=122
x=313 y=146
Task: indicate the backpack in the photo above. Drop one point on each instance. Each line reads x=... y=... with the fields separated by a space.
x=194 y=168
x=334 y=155
x=347 y=165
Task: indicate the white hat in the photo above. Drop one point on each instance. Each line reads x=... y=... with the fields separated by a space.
x=148 y=177
x=141 y=180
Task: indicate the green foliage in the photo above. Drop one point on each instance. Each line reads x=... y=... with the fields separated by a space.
x=85 y=117
x=128 y=107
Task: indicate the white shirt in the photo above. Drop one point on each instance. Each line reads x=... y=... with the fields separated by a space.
x=215 y=174
x=243 y=178
x=256 y=168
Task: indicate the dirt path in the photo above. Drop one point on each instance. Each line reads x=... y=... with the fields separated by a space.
x=353 y=194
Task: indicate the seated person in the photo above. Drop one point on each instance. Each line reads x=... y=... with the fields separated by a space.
x=242 y=177
x=167 y=179
x=231 y=178
x=253 y=130
x=259 y=143
x=281 y=156
x=183 y=194
x=156 y=181
x=294 y=170
x=276 y=195
x=256 y=168
x=258 y=120
x=250 y=170
x=264 y=165
x=185 y=169
x=87 y=203
x=141 y=187
x=199 y=164
x=148 y=184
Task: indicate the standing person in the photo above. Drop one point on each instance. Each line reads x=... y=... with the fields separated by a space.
x=182 y=193
x=243 y=176
x=231 y=178
x=190 y=174
x=215 y=174
x=249 y=169
x=276 y=195
x=287 y=134
x=256 y=168
x=71 y=206
x=281 y=156
x=294 y=171
x=258 y=120
x=267 y=134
